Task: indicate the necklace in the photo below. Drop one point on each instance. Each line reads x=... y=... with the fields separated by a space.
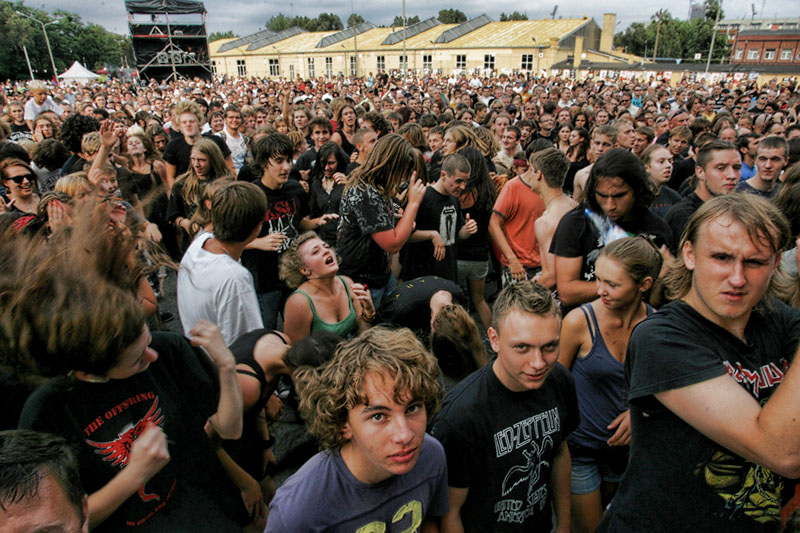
x=551 y=200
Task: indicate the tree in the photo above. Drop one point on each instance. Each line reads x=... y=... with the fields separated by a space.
x=398 y=20
x=324 y=22
x=516 y=15
x=217 y=35
x=676 y=38
x=354 y=20
x=451 y=16
x=70 y=39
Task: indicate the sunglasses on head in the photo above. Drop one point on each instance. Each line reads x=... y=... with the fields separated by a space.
x=18 y=179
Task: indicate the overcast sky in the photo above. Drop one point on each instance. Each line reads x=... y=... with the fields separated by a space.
x=248 y=16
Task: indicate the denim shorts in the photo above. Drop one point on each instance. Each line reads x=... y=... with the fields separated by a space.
x=591 y=469
x=472 y=270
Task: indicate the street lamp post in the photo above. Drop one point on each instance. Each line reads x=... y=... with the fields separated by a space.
x=46 y=40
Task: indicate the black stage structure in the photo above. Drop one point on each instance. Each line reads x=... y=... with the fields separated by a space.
x=169 y=39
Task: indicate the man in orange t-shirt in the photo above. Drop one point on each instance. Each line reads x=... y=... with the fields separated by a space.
x=512 y=228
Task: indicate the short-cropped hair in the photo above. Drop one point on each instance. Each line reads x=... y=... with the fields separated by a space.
x=328 y=394
x=455 y=163
x=27 y=457
x=236 y=210
x=524 y=296
x=553 y=163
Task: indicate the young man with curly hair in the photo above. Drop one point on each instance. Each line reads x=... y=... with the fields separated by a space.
x=368 y=408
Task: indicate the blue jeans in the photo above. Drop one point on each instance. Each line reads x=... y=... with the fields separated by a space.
x=270 y=305
x=381 y=293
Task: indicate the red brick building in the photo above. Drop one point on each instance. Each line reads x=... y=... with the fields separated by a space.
x=767 y=47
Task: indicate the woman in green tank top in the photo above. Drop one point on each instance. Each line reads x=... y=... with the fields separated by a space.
x=323 y=300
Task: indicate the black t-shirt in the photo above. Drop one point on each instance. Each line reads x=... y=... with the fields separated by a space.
x=178 y=392
x=476 y=246
x=440 y=212
x=286 y=207
x=364 y=211
x=672 y=465
x=306 y=161
x=682 y=169
x=321 y=202
x=666 y=198
x=178 y=152
x=409 y=304
x=501 y=444
x=679 y=214
x=577 y=236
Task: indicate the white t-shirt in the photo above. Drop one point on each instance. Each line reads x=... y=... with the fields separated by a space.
x=238 y=148
x=32 y=110
x=216 y=288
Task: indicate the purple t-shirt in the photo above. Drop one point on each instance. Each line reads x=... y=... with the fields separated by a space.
x=324 y=496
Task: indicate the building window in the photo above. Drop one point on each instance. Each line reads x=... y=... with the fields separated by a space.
x=274 y=67
x=786 y=55
x=291 y=72
x=769 y=55
x=329 y=67
x=427 y=61
x=241 y=68
x=353 y=65
x=403 y=63
x=381 y=62
x=461 y=61
x=310 y=67
x=527 y=62
x=488 y=61
x=214 y=66
x=738 y=54
x=752 y=54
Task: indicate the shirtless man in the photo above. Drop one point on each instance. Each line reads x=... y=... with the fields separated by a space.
x=549 y=169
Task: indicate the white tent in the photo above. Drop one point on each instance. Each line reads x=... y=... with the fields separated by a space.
x=78 y=73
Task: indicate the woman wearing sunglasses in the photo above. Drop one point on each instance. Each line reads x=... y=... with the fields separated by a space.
x=21 y=190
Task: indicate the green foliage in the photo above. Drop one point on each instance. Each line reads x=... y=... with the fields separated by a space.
x=676 y=38
x=71 y=39
x=451 y=16
x=324 y=22
x=217 y=35
x=516 y=15
x=398 y=20
x=354 y=20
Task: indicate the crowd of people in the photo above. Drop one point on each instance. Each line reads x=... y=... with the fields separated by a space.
x=497 y=304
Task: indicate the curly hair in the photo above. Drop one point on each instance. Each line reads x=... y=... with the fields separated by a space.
x=74 y=128
x=291 y=262
x=327 y=394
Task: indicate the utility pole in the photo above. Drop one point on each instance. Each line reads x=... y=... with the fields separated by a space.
x=658 y=31
x=714 y=35
x=46 y=40
x=405 y=58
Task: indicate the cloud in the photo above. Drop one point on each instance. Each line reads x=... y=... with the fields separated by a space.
x=245 y=16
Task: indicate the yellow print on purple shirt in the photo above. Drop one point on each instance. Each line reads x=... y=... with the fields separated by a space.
x=414 y=507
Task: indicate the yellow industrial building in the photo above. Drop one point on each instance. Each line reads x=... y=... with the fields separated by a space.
x=478 y=45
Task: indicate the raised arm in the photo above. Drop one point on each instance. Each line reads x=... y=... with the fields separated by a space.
x=392 y=240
